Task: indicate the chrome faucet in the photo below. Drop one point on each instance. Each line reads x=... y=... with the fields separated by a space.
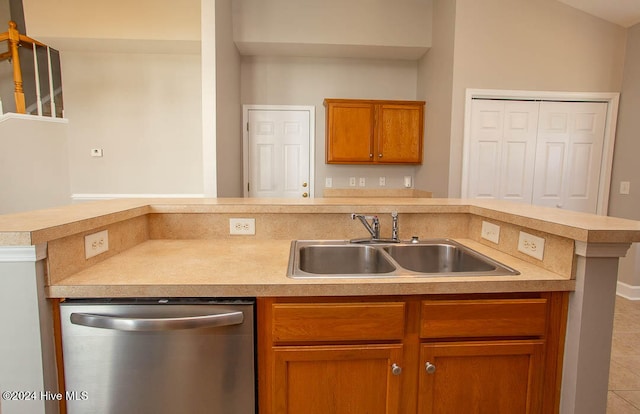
x=373 y=228
x=394 y=226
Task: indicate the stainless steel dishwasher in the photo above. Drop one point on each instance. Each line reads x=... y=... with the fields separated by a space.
x=159 y=356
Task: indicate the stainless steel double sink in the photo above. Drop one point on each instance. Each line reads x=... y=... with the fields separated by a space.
x=428 y=258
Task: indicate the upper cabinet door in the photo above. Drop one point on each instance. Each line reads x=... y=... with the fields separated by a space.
x=374 y=132
x=350 y=126
x=400 y=133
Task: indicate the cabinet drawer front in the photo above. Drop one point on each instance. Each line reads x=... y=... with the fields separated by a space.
x=483 y=318
x=298 y=322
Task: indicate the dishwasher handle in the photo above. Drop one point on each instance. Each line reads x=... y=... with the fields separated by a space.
x=156 y=324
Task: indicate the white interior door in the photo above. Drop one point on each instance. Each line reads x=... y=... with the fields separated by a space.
x=278 y=160
x=569 y=155
x=502 y=149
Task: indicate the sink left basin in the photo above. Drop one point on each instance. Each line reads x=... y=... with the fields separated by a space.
x=327 y=259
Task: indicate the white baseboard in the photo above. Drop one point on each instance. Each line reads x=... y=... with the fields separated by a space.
x=628 y=291
x=95 y=197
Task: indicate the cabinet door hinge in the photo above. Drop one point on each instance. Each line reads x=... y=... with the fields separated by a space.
x=247 y=127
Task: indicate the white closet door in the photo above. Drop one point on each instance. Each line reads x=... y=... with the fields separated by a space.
x=502 y=149
x=569 y=155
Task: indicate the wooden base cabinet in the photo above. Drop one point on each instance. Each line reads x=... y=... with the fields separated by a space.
x=437 y=354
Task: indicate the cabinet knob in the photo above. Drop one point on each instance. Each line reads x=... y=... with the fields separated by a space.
x=305 y=195
x=430 y=367
x=396 y=370
x=380 y=155
x=304 y=184
x=370 y=155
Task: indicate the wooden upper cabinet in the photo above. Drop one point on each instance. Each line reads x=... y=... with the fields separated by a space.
x=374 y=132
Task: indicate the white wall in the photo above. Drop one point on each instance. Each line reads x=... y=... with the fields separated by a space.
x=144 y=111
x=625 y=160
x=528 y=45
x=435 y=83
x=267 y=26
x=308 y=81
x=34 y=165
x=132 y=86
x=113 y=19
x=228 y=106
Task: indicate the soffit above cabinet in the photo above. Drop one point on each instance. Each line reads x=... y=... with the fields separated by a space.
x=331 y=51
x=399 y=29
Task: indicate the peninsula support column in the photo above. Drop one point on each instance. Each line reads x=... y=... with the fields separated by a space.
x=27 y=354
x=587 y=350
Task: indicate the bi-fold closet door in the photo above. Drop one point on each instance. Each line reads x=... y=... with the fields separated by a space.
x=539 y=152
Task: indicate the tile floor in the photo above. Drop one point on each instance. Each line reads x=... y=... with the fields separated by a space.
x=624 y=375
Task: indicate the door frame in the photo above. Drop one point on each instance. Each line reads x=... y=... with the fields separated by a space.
x=611 y=98
x=245 y=140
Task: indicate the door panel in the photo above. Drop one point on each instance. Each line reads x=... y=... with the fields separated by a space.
x=498 y=377
x=351 y=128
x=503 y=135
x=279 y=153
x=569 y=155
x=337 y=379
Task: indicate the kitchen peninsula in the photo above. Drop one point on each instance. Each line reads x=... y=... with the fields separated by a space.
x=182 y=248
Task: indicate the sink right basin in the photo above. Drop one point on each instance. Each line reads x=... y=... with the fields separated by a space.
x=437 y=258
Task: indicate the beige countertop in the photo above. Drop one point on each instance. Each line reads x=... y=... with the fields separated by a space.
x=154 y=263
x=162 y=268
x=40 y=226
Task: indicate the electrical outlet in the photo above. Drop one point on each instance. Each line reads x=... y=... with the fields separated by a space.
x=328 y=182
x=531 y=245
x=383 y=181
x=363 y=182
x=96 y=243
x=246 y=226
x=96 y=152
x=490 y=232
x=352 y=181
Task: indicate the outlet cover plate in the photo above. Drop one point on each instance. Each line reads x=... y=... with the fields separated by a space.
x=96 y=243
x=243 y=226
x=490 y=232
x=531 y=245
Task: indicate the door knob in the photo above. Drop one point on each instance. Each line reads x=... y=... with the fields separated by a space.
x=305 y=195
x=430 y=367
x=396 y=370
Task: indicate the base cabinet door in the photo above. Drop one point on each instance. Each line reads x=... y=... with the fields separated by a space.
x=349 y=379
x=496 y=377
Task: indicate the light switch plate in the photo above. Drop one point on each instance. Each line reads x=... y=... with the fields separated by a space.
x=531 y=245
x=625 y=187
x=96 y=243
x=490 y=232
